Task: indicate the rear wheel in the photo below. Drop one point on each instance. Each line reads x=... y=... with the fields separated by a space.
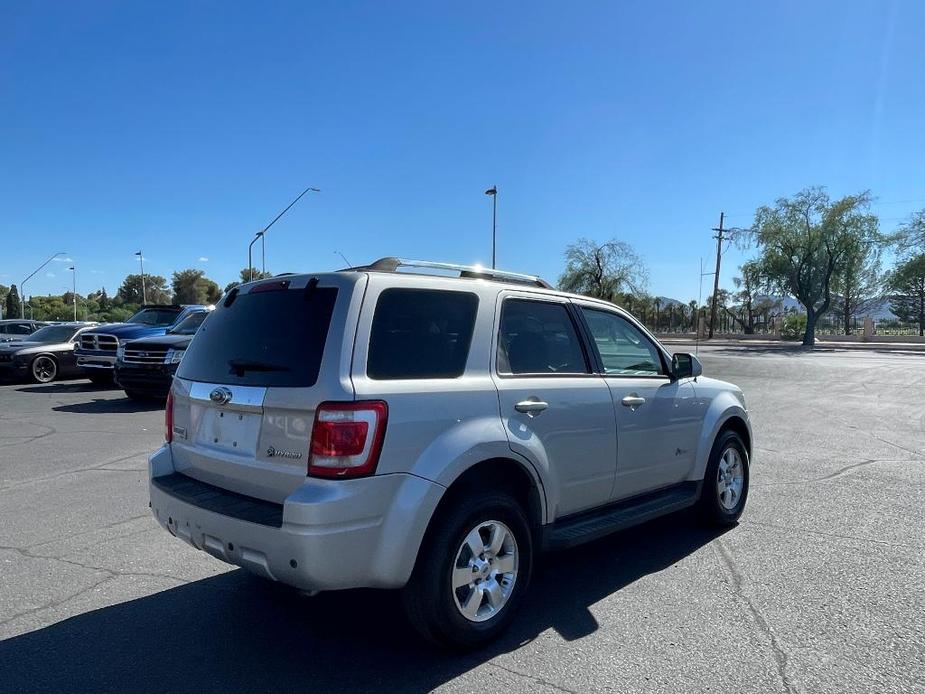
x=472 y=572
x=44 y=369
x=725 y=484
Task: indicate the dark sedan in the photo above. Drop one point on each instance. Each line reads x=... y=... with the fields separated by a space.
x=45 y=355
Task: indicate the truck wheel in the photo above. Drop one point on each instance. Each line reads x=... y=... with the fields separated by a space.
x=472 y=572
x=44 y=369
x=725 y=483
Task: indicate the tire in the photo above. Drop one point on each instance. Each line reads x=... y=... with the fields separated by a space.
x=100 y=379
x=44 y=369
x=728 y=463
x=435 y=608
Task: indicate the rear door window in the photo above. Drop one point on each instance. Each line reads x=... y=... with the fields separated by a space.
x=421 y=333
x=538 y=338
x=264 y=338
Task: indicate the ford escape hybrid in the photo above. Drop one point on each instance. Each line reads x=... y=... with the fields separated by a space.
x=386 y=428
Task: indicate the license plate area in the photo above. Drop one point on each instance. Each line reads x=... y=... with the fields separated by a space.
x=227 y=431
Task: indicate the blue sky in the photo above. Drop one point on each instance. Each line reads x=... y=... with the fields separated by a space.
x=182 y=128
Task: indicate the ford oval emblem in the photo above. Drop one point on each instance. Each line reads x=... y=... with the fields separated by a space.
x=220 y=396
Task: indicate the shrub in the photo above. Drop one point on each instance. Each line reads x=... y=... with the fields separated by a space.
x=793 y=327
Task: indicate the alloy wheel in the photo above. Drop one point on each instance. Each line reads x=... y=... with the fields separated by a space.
x=730 y=478
x=485 y=571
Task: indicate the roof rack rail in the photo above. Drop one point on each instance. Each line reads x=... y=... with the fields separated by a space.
x=391 y=264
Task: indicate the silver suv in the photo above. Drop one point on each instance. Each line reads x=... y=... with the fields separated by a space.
x=376 y=427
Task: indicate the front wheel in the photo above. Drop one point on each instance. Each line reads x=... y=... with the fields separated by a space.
x=473 y=569
x=725 y=484
x=44 y=369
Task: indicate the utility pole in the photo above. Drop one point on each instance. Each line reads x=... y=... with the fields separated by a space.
x=719 y=256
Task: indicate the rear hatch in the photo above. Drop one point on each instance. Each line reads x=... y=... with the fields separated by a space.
x=246 y=391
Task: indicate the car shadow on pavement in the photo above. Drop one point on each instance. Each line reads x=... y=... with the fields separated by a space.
x=111 y=406
x=236 y=633
x=68 y=387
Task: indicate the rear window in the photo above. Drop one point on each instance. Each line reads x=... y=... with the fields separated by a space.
x=421 y=333
x=270 y=338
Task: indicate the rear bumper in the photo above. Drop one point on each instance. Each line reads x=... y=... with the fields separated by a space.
x=334 y=534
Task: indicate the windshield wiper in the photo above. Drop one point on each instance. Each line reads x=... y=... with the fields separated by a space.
x=240 y=366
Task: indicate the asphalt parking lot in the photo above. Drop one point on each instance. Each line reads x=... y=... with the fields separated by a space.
x=820 y=588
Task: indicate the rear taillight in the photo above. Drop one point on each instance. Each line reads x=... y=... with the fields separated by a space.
x=347 y=438
x=168 y=419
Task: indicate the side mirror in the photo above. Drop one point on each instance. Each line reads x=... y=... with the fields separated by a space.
x=684 y=365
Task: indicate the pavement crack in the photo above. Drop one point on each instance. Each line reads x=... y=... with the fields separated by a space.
x=832 y=475
x=97 y=467
x=533 y=678
x=738 y=586
x=839 y=536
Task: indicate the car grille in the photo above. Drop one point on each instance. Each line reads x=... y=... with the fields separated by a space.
x=6 y=357
x=152 y=354
x=105 y=343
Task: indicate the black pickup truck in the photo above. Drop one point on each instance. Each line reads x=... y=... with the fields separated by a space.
x=144 y=368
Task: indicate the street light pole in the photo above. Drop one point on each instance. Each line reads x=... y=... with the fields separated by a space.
x=144 y=293
x=493 y=192
x=73 y=270
x=22 y=293
x=262 y=233
x=250 y=263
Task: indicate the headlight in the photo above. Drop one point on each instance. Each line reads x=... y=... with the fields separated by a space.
x=174 y=356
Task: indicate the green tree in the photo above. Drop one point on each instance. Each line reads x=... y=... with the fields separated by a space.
x=603 y=270
x=907 y=285
x=193 y=287
x=804 y=242
x=4 y=291
x=858 y=282
x=103 y=300
x=155 y=290
x=911 y=235
x=13 y=306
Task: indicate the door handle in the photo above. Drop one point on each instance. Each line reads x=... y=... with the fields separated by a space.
x=531 y=407
x=633 y=401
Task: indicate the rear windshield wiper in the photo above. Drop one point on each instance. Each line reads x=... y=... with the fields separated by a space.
x=240 y=366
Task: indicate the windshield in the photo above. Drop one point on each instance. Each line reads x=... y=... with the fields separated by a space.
x=53 y=333
x=190 y=324
x=156 y=317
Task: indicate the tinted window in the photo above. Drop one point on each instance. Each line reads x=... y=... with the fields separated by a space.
x=421 y=333
x=154 y=316
x=16 y=329
x=270 y=338
x=190 y=324
x=538 y=338
x=53 y=333
x=623 y=348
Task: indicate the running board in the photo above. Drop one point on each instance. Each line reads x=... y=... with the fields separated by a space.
x=591 y=525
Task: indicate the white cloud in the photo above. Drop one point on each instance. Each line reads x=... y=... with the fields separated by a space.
x=203 y=259
x=63 y=260
x=49 y=274
x=96 y=272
